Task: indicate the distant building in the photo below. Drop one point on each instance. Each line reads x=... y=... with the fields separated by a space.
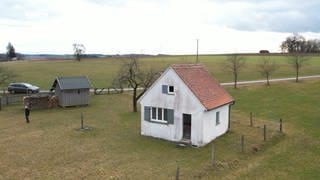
x=72 y=91
x=186 y=104
x=263 y=51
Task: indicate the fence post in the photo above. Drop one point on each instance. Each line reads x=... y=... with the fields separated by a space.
x=280 y=125
x=177 y=171
x=0 y=103
x=81 y=121
x=264 y=132
x=251 y=124
x=213 y=156
x=242 y=143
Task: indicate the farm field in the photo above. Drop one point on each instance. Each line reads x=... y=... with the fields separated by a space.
x=101 y=72
x=53 y=147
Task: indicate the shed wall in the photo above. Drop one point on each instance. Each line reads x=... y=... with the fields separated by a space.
x=72 y=97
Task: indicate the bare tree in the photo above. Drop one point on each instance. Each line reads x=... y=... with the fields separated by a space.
x=78 y=51
x=234 y=65
x=294 y=43
x=267 y=68
x=130 y=74
x=6 y=75
x=297 y=60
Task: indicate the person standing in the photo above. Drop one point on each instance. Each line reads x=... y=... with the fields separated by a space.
x=27 y=113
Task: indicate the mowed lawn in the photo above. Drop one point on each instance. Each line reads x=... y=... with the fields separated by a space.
x=52 y=147
x=101 y=72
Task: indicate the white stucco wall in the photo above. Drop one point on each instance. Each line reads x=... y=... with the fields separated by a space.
x=183 y=101
x=210 y=129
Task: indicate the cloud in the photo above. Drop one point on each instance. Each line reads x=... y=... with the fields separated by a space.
x=17 y=13
x=277 y=16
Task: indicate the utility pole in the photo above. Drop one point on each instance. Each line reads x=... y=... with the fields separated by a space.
x=197 y=51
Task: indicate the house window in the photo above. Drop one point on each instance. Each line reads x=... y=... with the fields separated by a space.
x=161 y=115
x=154 y=113
x=171 y=89
x=157 y=115
x=217 y=118
x=166 y=89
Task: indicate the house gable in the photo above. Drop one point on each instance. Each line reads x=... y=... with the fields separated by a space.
x=208 y=91
x=158 y=94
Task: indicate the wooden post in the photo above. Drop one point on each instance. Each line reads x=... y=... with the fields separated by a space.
x=251 y=124
x=0 y=103
x=264 y=132
x=177 y=171
x=81 y=120
x=242 y=143
x=213 y=156
x=7 y=100
x=280 y=125
x=108 y=90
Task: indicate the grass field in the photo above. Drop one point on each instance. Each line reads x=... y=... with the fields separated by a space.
x=101 y=72
x=53 y=147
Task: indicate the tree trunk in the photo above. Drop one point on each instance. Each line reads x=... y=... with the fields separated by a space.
x=235 y=80
x=297 y=74
x=134 y=99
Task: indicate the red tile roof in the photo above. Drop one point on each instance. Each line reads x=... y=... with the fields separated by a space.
x=209 y=91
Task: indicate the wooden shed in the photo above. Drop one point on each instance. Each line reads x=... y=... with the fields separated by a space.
x=72 y=91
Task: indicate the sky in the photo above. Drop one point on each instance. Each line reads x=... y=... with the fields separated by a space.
x=155 y=26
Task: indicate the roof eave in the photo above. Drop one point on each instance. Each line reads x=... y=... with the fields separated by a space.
x=231 y=103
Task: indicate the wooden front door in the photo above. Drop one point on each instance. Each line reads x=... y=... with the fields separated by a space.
x=186 y=126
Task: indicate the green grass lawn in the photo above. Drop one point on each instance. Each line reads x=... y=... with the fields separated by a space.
x=52 y=147
x=101 y=72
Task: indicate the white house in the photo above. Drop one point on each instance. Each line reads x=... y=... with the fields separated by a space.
x=185 y=104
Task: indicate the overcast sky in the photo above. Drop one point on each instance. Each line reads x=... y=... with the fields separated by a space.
x=155 y=26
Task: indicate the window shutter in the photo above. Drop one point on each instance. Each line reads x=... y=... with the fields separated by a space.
x=170 y=116
x=164 y=89
x=147 y=113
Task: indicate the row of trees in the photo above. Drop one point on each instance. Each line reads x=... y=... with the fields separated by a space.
x=78 y=51
x=296 y=43
x=235 y=63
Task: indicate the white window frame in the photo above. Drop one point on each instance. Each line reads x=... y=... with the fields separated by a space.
x=157 y=116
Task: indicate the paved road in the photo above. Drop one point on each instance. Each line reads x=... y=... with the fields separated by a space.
x=271 y=80
x=246 y=82
x=229 y=83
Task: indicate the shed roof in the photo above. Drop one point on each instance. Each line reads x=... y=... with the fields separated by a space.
x=209 y=91
x=73 y=82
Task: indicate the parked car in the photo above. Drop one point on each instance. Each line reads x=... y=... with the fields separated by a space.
x=22 y=88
